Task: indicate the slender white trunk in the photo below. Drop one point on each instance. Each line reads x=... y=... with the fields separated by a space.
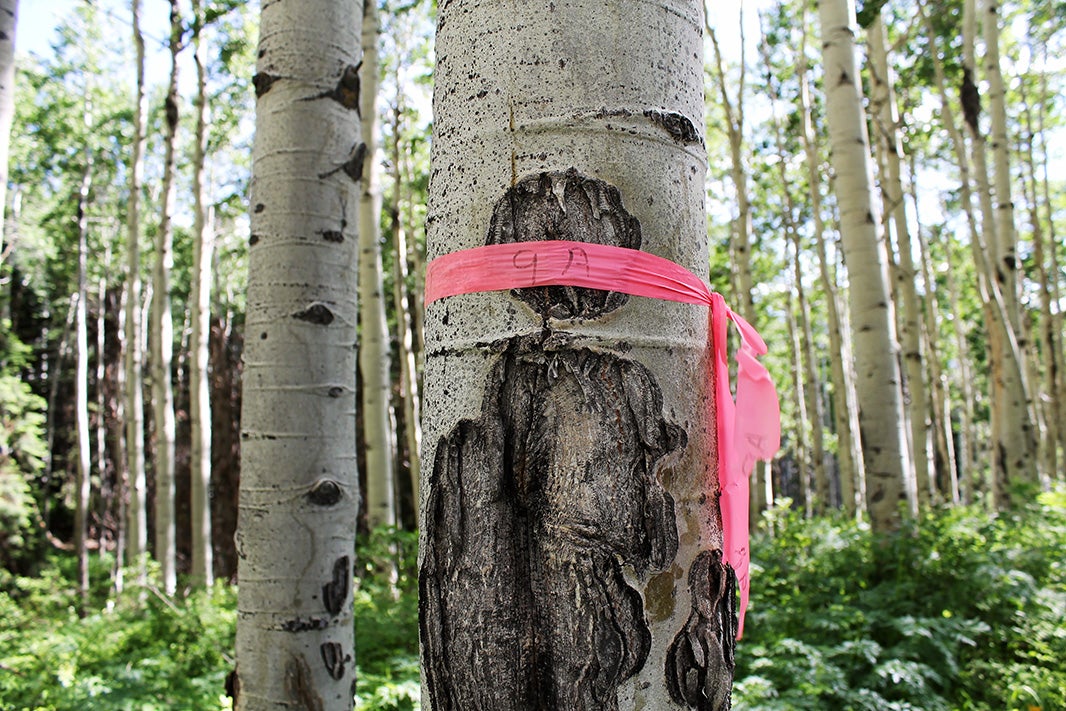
x=734 y=114
x=8 y=22
x=1013 y=436
x=888 y=123
x=849 y=450
x=409 y=391
x=374 y=362
x=568 y=522
x=299 y=492
x=200 y=318
x=81 y=380
x=161 y=334
x=137 y=524
x=881 y=416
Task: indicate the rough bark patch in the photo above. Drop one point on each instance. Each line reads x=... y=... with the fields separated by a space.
x=700 y=661
x=335 y=591
x=564 y=206
x=535 y=511
x=677 y=125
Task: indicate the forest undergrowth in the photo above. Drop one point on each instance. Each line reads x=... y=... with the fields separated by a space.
x=961 y=610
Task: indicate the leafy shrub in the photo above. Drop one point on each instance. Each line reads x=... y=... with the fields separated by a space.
x=958 y=611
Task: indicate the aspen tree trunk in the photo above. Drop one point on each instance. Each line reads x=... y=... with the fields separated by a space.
x=1058 y=325
x=83 y=484
x=161 y=335
x=888 y=123
x=299 y=493
x=734 y=114
x=804 y=347
x=941 y=399
x=968 y=459
x=1049 y=406
x=8 y=22
x=1014 y=444
x=107 y=489
x=570 y=537
x=136 y=511
x=881 y=417
x=200 y=318
x=374 y=361
x=412 y=412
x=849 y=450
x=804 y=460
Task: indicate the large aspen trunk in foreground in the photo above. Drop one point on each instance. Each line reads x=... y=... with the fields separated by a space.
x=570 y=552
x=878 y=384
x=299 y=486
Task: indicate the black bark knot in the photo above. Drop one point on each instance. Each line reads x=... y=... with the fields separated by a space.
x=700 y=660
x=335 y=591
x=317 y=314
x=334 y=658
x=680 y=128
x=262 y=83
x=346 y=92
x=325 y=492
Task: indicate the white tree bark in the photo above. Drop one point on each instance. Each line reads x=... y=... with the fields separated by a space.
x=200 y=318
x=374 y=358
x=409 y=391
x=881 y=416
x=569 y=119
x=846 y=412
x=890 y=145
x=161 y=332
x=1013 y=436
x=299 y=487
x=8 y=22
x=136 y=511
x=83 y=483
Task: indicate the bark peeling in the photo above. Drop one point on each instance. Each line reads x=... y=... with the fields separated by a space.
x=700 y=661
x=540 y=510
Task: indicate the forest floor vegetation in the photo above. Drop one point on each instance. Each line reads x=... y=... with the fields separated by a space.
x=959 y=611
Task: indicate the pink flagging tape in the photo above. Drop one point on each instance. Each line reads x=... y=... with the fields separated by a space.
x=748 y=427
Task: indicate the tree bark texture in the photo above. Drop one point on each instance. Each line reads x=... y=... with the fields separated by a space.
x=571 y=544
x=374 y=363
x=846 y=411
x=136 y=512
x=200 y=318
x=8 y=21
x=878 y=384
x=299 y=486
x=890 y=146
x=161 y=335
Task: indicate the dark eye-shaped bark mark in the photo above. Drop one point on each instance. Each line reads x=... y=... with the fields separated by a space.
x=565 y=206
x=539 y=509
x=700 y=661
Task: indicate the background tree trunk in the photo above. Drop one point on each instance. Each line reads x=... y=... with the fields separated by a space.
x=82 y=486
x=8 y=22
x=374 y=361
x=299 y=487
x=890 y=144
x=161 y=335
x=200 y=318
x=878 y=386
x=136 y=512
x=846 y=412
x=570 y=534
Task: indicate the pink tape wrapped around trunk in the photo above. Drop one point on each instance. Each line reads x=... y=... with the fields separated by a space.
x=748 y=428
